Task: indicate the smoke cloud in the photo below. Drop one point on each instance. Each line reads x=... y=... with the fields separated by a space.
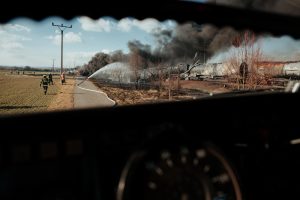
x=212 y=44
x=181 y=43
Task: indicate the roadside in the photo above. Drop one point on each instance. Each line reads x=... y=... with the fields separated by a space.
x=188 y=90
x=22 y=94
x=128 y=96
x=87 y=95
x=64 y=98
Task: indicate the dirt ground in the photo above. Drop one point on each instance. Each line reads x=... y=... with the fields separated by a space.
x=64 y=99
x=128 y=96
x=22 y=94
x=205 y=86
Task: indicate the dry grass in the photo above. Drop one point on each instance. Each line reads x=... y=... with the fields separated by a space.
x=23 y=94
x=128 y=96
x=65 y=98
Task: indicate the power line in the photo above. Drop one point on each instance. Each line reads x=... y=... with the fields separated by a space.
x=61 y=28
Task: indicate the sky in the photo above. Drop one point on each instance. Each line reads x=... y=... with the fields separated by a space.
x=24 y=42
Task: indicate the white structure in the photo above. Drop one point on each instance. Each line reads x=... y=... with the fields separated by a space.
x=292 y=68
x=212 y=70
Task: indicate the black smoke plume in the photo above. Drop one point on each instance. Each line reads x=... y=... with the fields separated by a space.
x=182 y=43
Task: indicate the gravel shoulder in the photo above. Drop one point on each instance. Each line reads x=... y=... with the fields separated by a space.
x=65 y=97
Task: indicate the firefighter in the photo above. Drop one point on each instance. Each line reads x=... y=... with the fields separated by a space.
x=63 y=78
x=45 y=83
x=50 y=79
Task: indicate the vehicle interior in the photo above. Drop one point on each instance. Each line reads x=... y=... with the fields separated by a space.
x=228 y=146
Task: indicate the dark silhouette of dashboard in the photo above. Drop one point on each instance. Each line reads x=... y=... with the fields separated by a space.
x=241 y=146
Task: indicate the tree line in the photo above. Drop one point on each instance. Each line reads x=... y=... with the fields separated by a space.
x=100 y=60
x=26 y=68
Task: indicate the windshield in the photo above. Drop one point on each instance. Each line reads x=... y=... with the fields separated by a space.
x=56 y=64
x=287 y=7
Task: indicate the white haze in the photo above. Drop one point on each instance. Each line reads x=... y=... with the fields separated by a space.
x=282 y=48
x=117 y=71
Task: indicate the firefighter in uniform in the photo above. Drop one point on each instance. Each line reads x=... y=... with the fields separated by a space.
x=45 y=83
x=50 y=79
x=63 y=78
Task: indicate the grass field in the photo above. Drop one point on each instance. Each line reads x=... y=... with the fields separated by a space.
x=23 y=94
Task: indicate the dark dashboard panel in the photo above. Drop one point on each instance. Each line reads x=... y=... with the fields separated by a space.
x=85 y=158
x=82 y=154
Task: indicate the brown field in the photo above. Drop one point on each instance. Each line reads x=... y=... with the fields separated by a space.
x=64 y=98
x=23 y=94
x=129 y=96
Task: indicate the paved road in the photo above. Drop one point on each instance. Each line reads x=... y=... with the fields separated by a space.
x=87 y=95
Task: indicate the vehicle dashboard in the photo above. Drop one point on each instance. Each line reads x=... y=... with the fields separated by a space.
x=89 y=159
x=243 y=146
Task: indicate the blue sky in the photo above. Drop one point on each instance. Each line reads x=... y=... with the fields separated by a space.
x=25 y=42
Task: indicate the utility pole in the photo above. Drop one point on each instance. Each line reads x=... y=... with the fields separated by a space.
x=170 y=97
x=204 y=51
x=53 y=65
x=61 y=28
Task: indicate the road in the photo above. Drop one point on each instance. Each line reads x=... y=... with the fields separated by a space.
x=87 y=95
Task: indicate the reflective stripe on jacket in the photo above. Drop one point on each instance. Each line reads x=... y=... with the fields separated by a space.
x=44 y=82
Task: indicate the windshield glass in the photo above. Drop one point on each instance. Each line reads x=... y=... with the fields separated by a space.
x=56 y=64
x=286 y=7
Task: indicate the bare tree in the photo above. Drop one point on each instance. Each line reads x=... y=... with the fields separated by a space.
x=136 y=64
x=157 y=75
x=118 y=56
x=98 y=61
x=243 y=62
